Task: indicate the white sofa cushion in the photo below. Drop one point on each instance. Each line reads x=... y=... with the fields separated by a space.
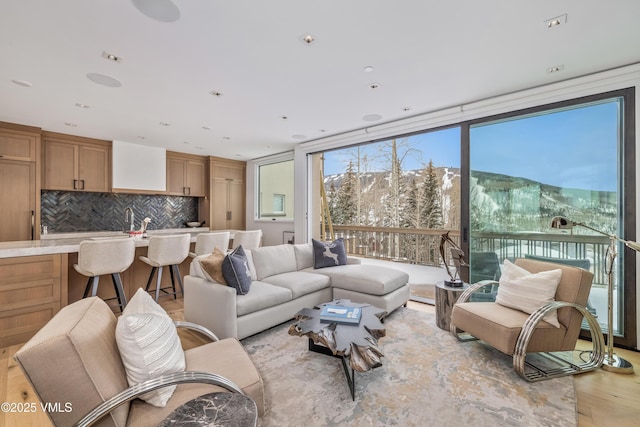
x=304 y=255
x=365 y=278
x=272 y=260
x=300 y=282
x=263 y=295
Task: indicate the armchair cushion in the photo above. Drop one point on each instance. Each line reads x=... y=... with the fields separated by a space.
x=149 y=345
x=528 y=292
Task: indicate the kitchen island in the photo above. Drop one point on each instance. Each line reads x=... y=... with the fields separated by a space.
x=37 y=278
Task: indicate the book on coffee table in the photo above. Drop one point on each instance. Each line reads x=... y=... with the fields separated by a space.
x=341 y=314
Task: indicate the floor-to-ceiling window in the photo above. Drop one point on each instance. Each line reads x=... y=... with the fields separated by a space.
x=572 y=159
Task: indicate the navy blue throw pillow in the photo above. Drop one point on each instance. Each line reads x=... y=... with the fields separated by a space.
x=235 y=270
x=329 y=254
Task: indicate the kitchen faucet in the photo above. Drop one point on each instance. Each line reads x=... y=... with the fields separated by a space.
x=126 y=217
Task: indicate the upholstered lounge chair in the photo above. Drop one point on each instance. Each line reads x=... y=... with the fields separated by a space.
x=74 y=358
x=517 y=333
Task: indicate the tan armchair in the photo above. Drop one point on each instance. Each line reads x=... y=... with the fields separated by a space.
x=75 y=359
x=517 y=333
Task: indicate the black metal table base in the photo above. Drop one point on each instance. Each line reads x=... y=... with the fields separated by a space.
x=350 y=376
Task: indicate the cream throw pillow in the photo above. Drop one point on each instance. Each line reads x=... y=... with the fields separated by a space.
x=212 y=266
x=528 y=292
x=149 y=345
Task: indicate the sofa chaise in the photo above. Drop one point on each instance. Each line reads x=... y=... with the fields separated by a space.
x=284 y=281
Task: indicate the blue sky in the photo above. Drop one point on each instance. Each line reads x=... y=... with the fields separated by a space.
x=575 y=148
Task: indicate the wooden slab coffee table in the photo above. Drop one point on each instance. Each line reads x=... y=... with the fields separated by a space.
x=356 y=345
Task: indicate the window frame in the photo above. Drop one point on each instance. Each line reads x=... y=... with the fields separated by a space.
x=273 y=216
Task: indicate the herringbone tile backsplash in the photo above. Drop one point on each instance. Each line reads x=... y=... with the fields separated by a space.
x=66 y=211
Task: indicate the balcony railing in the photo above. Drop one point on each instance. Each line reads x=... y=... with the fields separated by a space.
x=421 y=246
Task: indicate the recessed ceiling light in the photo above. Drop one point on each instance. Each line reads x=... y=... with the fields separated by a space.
x=160 y=10
x=555 y=69
x=215 y=93
x=103 y=80
x=72 y=125
x=185 y=142
x=555 y=22
x=268 y=147
x=206 y=128
x=284 y=117
x=307 y=39
x=372 y=117
x=199 y=148
x=374 y=85
x=298 y=136
x=22 y=83
x=81 y=105
x=111 y=57
x=141 y=137
x=226 y=137
x=406 y=108
x=368 y=69
x=323 y=130
x=165 y=124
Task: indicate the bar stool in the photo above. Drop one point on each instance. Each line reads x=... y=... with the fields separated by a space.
x=167 y=251
x=206 y=242
x=99 y=257
x=249 y=239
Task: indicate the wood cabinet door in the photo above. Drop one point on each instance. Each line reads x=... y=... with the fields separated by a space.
x=219 y=202
x=60 y=172
x=236 y=205
x=94 y=172
x=17 y=200
x=176 y=170
x=196 y=178
x=17 y=146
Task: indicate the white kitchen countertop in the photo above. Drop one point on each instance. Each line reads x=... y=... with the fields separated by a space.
x=60 y=243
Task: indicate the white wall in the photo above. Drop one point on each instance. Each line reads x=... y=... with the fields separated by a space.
x=588 y=85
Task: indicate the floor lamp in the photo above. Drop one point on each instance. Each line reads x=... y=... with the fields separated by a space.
x=612 y=362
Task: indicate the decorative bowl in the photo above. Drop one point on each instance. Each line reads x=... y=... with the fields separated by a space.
x=193 y=224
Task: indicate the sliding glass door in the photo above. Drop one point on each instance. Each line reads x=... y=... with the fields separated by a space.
x=568 y=160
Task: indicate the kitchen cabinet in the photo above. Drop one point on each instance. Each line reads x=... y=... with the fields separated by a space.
x=16 y=144
x=18 y=200
x=227 y=195
x=32 y=292
x=19 y=175
x=74 y=163
x=186 y=175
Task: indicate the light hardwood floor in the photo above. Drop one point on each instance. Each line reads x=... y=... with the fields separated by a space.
x=605 y=399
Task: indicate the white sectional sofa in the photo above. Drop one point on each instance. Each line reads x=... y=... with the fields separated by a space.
x=284 y=281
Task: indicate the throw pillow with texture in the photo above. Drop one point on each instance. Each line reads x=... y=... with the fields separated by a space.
x=235 y=269
x=149 y=345
x=212 y=266
x=329 y=254
x=528 y=292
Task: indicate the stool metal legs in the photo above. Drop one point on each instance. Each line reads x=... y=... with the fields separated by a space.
x=175 y=274
x=92 y=285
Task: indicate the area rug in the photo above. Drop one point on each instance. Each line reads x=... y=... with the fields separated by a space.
x=428 y=378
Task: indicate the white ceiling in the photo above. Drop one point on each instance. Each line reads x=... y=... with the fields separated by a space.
x=426 y=55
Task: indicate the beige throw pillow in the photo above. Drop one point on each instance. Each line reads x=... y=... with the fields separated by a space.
x=528 y=292
x=212 y=266
x=149 y=345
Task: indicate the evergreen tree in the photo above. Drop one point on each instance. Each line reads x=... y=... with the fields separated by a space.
x=346 y=205
x=430 y=208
